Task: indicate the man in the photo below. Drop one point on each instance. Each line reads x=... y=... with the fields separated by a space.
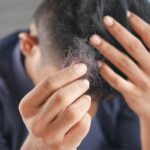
x=51 y=56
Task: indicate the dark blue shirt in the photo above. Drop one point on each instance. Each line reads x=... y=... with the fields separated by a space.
x=115 y=126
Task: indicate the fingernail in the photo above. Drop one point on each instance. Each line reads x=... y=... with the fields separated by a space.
x=108 y=21
x=100 y=64
x=95 y=40
x=128 y=14
x=80 y=68
x=87 y=83
x=88 y=97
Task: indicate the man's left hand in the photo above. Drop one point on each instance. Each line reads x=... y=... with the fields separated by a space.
x=136 y=90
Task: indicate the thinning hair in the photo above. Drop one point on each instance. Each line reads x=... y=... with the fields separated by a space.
x=64 y=27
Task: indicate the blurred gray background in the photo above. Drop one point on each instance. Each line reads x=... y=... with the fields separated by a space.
x=16 y=14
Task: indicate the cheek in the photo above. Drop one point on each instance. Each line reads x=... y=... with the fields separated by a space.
x=44 y=71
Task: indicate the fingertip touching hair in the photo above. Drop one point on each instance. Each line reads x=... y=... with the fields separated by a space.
x=64 y=27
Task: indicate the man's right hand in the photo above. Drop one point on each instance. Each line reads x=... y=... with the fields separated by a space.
x=56 y=111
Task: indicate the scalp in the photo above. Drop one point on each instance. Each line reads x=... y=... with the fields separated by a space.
x=67 y=25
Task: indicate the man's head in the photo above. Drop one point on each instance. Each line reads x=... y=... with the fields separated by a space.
x=60 y=31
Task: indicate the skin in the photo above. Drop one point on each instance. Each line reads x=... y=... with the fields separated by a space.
x=44 y=110
x=56 y=117
x=135 y=90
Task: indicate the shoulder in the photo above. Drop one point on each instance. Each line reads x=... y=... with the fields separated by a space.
x=119 y=122
x=7 y=47
x=113 y=103
x=11 y=39
x=114 y=109
x=3 y=88
x=8 y=43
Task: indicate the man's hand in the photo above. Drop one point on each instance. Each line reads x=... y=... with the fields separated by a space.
x=136 y=90
x=56 y=112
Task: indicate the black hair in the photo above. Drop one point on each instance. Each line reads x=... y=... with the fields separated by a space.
x=64 y=27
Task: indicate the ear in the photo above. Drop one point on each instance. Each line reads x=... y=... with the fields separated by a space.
x=27 y=42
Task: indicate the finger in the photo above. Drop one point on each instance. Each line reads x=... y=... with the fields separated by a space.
x=76 y=135
x=60 y=100
x=40 y=93
x=118 y=59
x=114 y=79
x=141 y=27
x=130 y=43
x=71 y=116
x=129 y=91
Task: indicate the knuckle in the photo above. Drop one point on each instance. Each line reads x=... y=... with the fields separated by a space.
x=60 y=98
x=23 y=107
x=49 y=83
x=59 y=95
x=72 y=113
x=26 y=109
x=123 y=62
x=134 y=45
